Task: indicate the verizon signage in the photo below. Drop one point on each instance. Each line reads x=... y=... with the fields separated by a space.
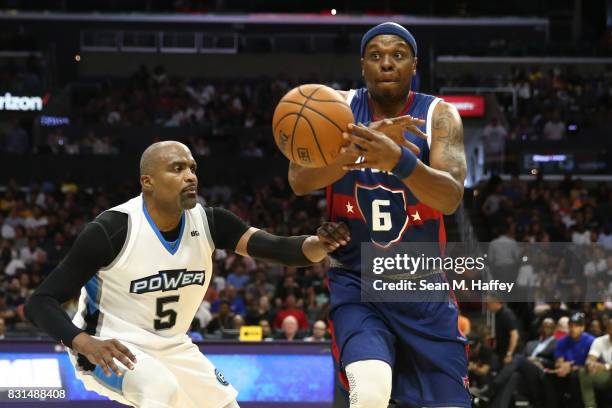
x=467 y=105
x=9 y=102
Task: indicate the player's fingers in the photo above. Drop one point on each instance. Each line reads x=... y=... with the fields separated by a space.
x=410 y=146
x=360 y=141
x=416 y=131
x=104 y=365
x=361 y=131
x=407 y=120
x=356 y=166
x=125 y=360
x=344 y=229
x=111 y=364
x=124 y=350
x=336 y=235
x=352 y=149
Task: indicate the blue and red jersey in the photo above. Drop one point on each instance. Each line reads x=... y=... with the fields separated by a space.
x=377 y=206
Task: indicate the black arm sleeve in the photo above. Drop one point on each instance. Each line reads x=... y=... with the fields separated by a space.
x=283 y=250
x=226 y=228
x=95 y=247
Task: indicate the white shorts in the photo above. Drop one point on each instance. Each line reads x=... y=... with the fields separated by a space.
x=200 y=384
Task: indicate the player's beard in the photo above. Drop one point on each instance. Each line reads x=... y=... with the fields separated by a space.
x=389 y=96
x=187 y=202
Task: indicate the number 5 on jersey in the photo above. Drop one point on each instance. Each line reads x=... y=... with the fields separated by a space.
x=167 y=316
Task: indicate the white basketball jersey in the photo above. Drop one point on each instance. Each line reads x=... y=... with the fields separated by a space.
x=150 y=293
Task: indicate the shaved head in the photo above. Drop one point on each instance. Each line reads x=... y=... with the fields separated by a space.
x=168 y=177
x=152 y=156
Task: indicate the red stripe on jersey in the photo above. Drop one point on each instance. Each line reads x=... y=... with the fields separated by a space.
x=420 y=213
x=344 y=205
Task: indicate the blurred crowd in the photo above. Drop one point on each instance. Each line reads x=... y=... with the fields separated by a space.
x=568 y=294
x=546 y=98
x=565 y=363
x=154 y=97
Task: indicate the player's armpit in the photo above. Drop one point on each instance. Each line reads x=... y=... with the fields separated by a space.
x=447 y=151
x=304 y=180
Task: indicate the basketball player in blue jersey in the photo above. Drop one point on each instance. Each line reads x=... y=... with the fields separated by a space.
x=393 y=184
x=143 y=268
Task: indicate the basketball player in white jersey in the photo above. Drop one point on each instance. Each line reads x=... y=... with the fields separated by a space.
x=143 y=268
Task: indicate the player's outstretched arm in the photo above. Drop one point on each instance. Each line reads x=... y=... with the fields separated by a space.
x=296 y=250
x=439 y=185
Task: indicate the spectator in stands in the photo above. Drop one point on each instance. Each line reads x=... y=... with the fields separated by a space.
x=494 y=142
x=481 y=362
x=7 y=312
x=319 y=331
x=289 y=329
x=506 y=330
x=16 y=139
x=595 y=328
x=605 y=237
x=2 y=329
x=529 y=366
x=266 y=330
x=223 y=319
x=562 y=329
x=260 y=310
x=32 y=253
x=290 y=309
x=504 y=255
x=238 y=278
x=570 y=354
x=598 y=372
x=554 y=129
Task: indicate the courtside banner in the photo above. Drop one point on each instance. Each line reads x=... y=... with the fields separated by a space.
x=467 y=105
x=503 y=269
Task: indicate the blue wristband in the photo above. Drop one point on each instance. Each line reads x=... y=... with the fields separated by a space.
x=405 y=165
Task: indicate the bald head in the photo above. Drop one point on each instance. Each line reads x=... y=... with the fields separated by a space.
x=168 y=177
x=154 y=154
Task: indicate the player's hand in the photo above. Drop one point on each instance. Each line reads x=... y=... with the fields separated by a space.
x=378 y=150
x=594 y=367
x=395 y=128
x=332 y=235
x=102 y=353
x=564 y=368
x=508 y=359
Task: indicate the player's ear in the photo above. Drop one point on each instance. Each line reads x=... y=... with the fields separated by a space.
x=146 y=182
x=361 y=63
x=414 y=65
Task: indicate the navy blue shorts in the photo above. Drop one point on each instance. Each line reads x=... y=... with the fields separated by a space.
x=421 y=341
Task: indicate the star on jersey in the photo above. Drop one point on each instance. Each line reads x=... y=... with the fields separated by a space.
x=416 y=216
x=349 y=208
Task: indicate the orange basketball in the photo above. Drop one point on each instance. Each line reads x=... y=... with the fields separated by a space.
x=308 y=124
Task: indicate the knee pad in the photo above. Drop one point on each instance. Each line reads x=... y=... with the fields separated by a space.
x=369 y=383
x=150 y=385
